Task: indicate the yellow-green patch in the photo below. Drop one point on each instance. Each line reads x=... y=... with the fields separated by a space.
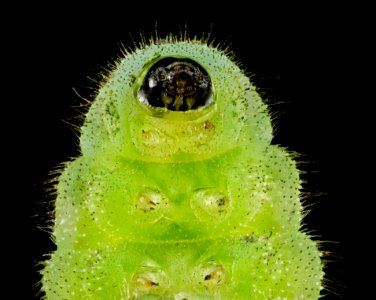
x=178 y=192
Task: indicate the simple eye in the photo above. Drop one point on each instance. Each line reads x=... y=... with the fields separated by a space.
x=210 y=205
x=150 y=205
x=176 y=84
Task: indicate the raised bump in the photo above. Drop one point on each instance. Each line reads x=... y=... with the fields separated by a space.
x=149 y=280
x=210 y=205
x=151 y=204
x=210 y=275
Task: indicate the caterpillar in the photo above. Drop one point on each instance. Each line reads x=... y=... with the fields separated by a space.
x=178 y=192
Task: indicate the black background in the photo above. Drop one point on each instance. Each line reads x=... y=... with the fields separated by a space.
x=303 y=61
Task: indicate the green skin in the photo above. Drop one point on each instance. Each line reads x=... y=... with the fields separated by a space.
x=180 y=205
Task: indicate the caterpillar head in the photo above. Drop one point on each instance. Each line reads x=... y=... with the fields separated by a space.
x=181 y=101
x=177 y=85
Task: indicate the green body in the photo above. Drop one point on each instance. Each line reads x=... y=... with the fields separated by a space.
x=180 y=205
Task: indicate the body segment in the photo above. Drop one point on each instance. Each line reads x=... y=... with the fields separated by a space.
x=178 y=193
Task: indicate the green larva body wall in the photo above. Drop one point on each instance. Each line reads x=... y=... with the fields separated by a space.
x=192 y=204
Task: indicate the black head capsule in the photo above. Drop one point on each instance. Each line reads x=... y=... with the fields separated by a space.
x=176 y=84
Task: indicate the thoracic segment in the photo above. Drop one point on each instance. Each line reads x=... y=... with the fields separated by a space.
x=177 y=234
x=247 y=267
